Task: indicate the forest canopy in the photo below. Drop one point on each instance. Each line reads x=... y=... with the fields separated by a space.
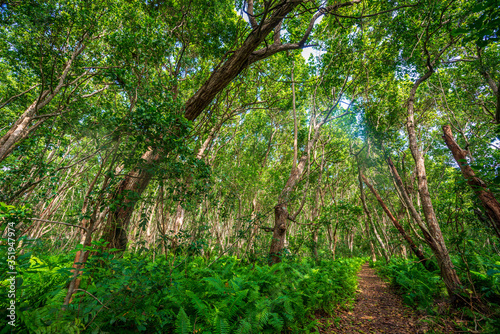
x=185 y=146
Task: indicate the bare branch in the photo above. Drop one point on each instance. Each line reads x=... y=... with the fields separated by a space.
x=369 y=15
x=452 y=61
x=18 y=95
x=94 y=93
x=251 y=16
x=93 y=297
x=278 y=47
x=267 y=229
x=54 y=222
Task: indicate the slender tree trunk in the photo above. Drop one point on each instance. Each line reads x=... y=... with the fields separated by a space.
x=254 y=229
x=315 y=243
x=370 y=219
x=177 y=224
x=486 y=197
x=21 y=128
x=329 y=230
x=408 y=202
x=420 y=255
x=335 y=240
x=126 y=197
x=295 y=127
x=316 y=207
x=448 y=272
x=89 y=226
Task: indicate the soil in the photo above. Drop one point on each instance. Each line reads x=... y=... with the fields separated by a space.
x=378 y=309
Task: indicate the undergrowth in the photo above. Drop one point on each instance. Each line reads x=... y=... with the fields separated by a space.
x=426 y=292
x=182 y=295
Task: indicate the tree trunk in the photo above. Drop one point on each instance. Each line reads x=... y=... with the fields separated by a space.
x=281 y=213
x=89 y=226
x=486 y=197
x=315 y=243
x=448 y=272
x=335 y=240
x=279 y=233
x=369 y=217
x=420 y=255
x=177 y=224
x=126 y=195
x=408 y=202
x=21 y=128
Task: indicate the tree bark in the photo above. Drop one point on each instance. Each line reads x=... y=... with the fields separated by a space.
x=385 y=253
x=418 y=253
x=409 y=204
x=486 y=197
x=125 y=197
x=279 y=233
x=281 y=213
x=21 y=128
x=448 y=272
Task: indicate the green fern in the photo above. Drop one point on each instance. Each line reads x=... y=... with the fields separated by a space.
x=221 y=325
x=182 y=324
x=236 y=303
x=217 y=283
x=245 y=327
x=199 y=305
x=276 y=322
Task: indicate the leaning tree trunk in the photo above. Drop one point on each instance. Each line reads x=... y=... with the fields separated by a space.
x=126 y=195
x=88 y=226
x=420 y=255
x=23 y=125
x=385 y=253
x=486 y=197
x=408 y=202
x=448 y=273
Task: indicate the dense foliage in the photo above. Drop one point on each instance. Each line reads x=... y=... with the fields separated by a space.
x=183 y=294
x=425 y=291
x=171 y=150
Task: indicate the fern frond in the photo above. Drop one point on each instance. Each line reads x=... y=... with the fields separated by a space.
x=215 y=282
x=244 y=328
x=236 y=303
x=182 y=324
x=199 y=305
x=276 y=322
x=221 y=325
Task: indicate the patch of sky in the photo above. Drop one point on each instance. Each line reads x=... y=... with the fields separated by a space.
x=307 y=52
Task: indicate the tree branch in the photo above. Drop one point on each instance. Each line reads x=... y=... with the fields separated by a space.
x=54 y=222
x=249 y=12
x=18 y=95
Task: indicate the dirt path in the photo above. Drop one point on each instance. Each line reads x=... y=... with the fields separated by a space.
x=377 y=310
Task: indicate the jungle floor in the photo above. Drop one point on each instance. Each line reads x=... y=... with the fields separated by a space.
x=377 y=309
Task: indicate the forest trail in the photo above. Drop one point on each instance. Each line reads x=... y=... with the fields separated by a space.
x=377 y=310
